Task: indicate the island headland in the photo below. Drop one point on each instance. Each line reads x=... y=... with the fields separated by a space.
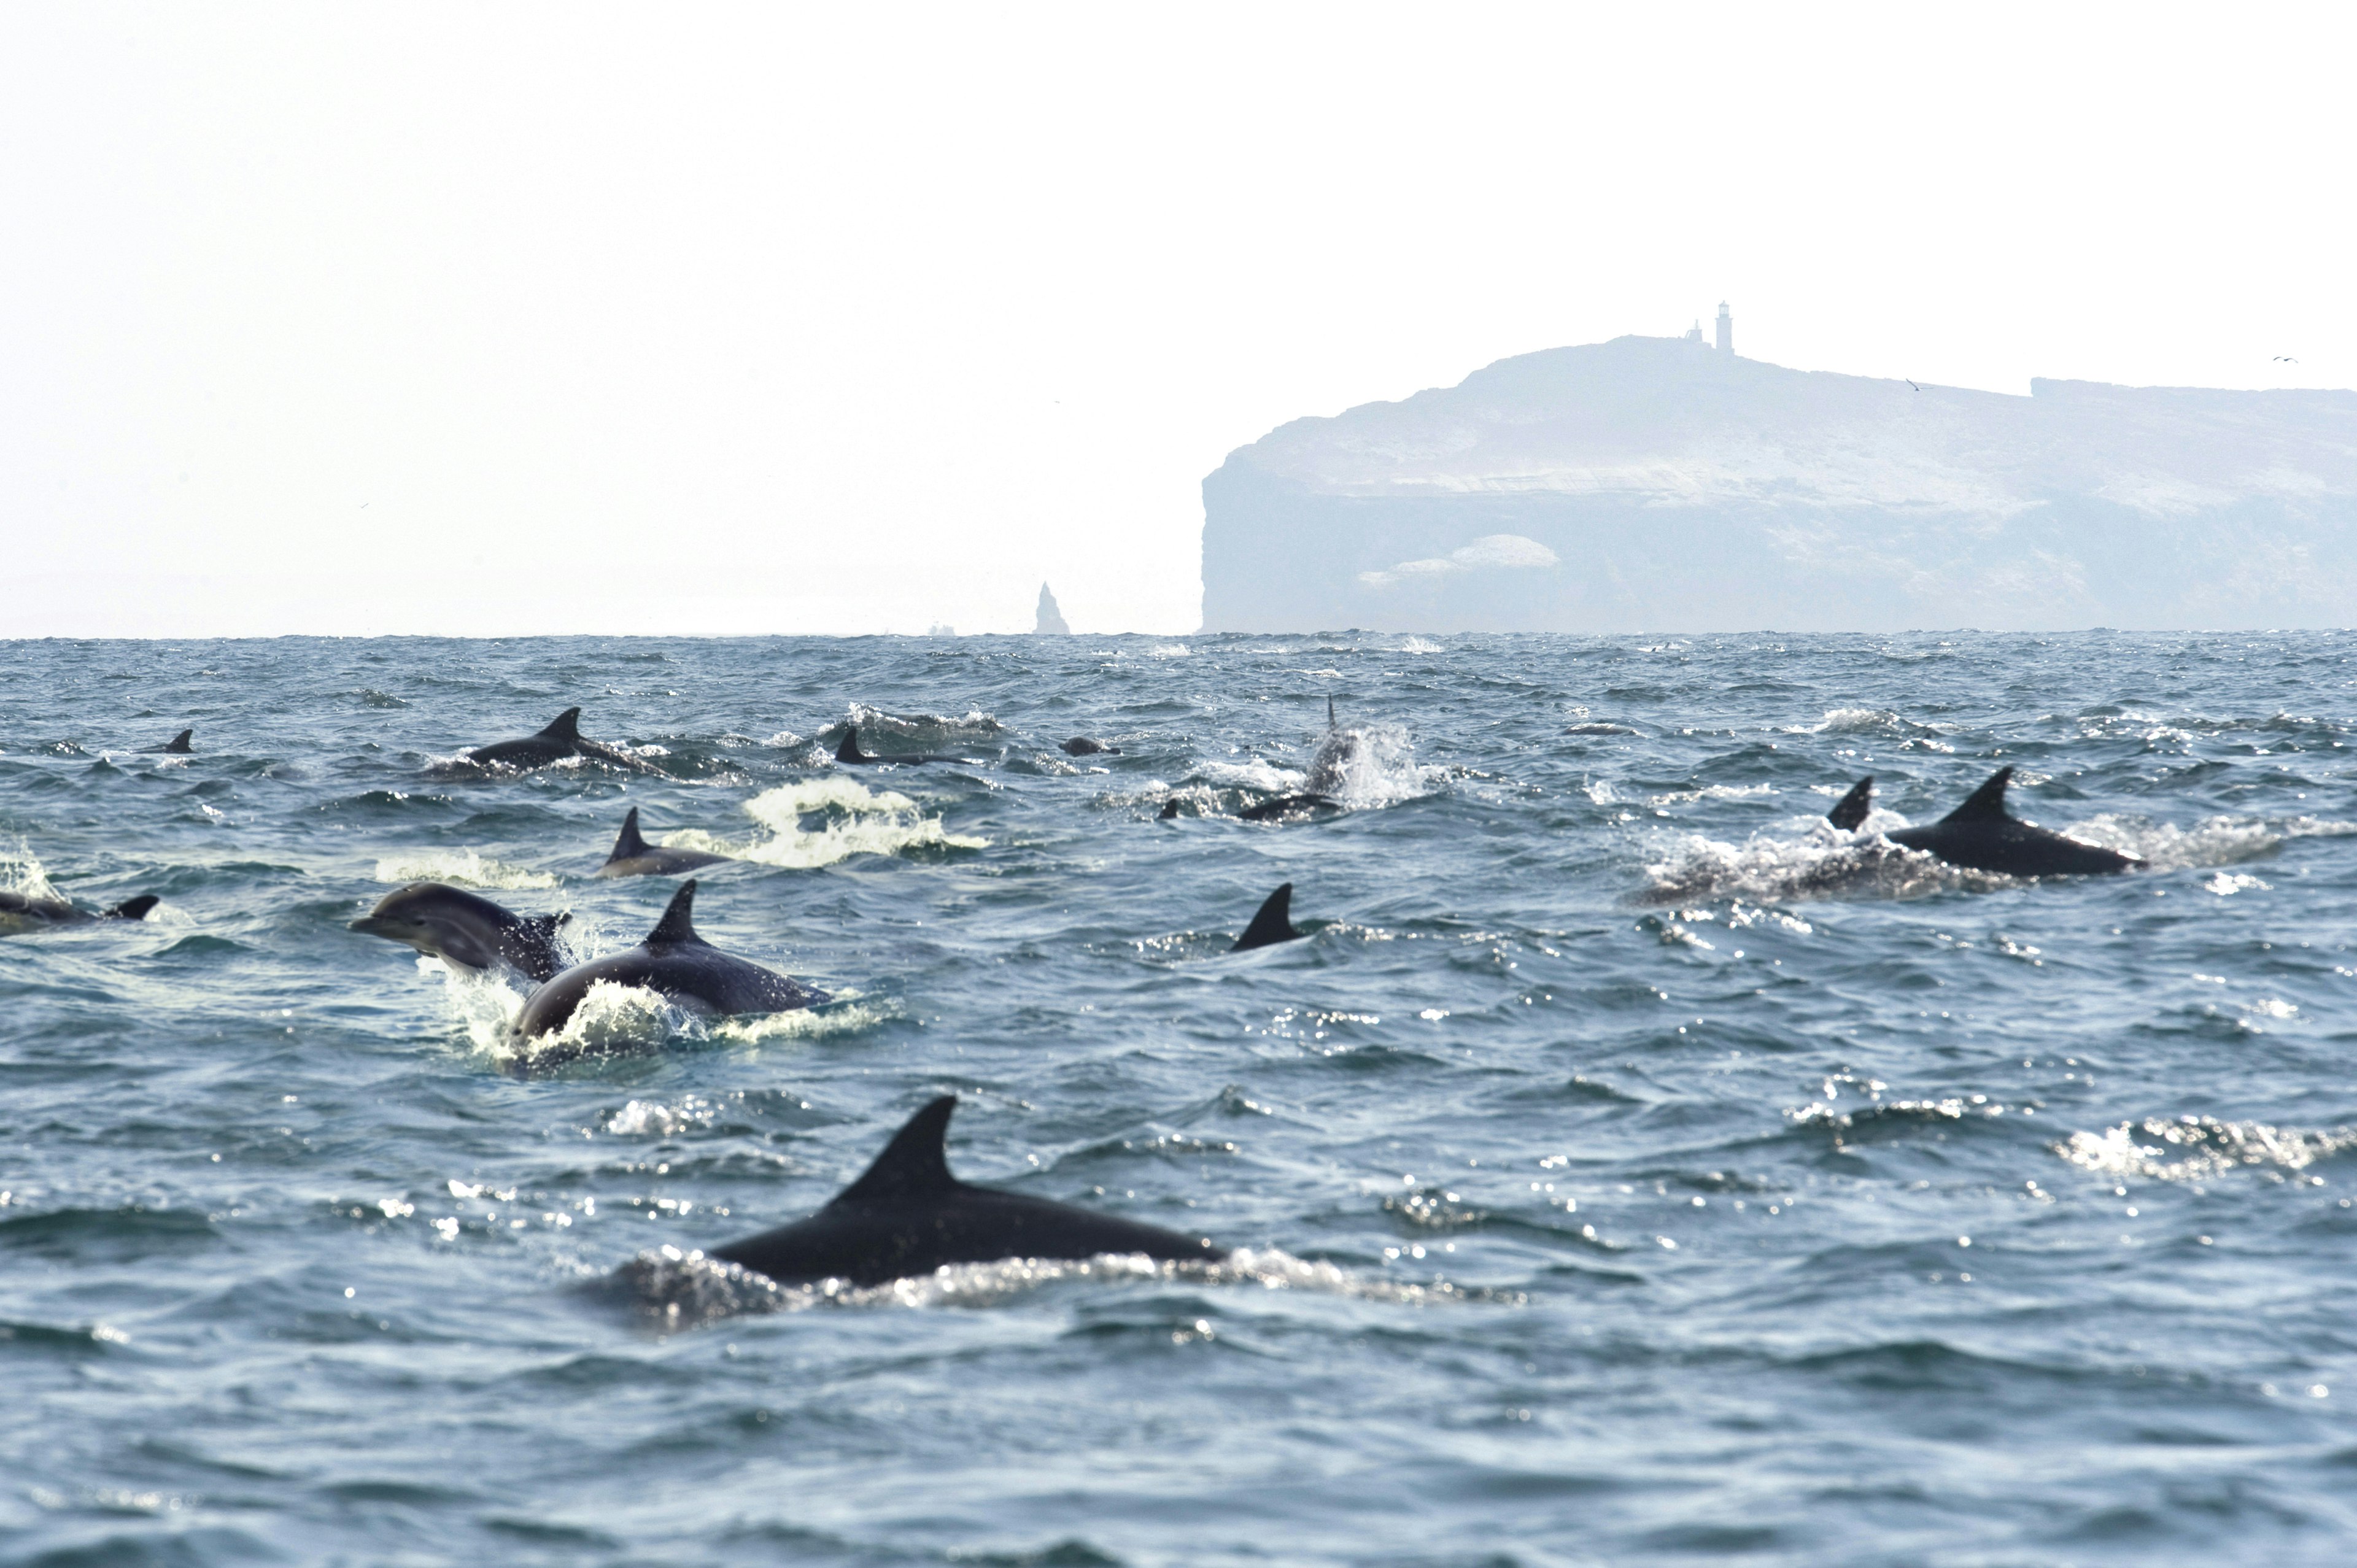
x=1663 y=484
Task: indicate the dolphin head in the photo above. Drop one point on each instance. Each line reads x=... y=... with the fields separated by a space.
x=437 y=920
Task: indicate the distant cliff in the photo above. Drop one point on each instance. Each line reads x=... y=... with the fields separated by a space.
x=1652 y=485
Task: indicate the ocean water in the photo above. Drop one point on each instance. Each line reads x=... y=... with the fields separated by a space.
x=1628 y=1168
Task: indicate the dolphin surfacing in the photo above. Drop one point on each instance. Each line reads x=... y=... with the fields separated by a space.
x=19 y=912
x=908 y=1216
x=561 y=739
x=1083 y=746
x=634 y=856
x=1982 y=835
x=466 y=930
x=178 y=745
x=676 y=963
x=1330 y=766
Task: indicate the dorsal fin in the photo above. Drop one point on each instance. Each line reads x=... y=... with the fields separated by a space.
x=849 y=750
x=566 y=726
x=1986 y=804
x=913 y=1163
x=1273 y=924
x=678 y=924
x=1169 y=807
x=1331 y=722
x=629 y=845
x=1855 y=807
x=179 y=745
x=132 y=908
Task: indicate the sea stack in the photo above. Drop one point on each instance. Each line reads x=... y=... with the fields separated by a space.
x=1051 y=620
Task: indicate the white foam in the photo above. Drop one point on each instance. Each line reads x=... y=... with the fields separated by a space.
x=853 y=821
x=460 y=867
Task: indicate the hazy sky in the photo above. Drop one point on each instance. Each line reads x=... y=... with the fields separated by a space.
x=569 y=317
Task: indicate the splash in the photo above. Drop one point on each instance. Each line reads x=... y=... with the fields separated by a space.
x=686 y=1288
x=21 y=872
x=1371 y=766
x=2214 y=841
x=459 y=867
x=852 y=820
x=1822 y=863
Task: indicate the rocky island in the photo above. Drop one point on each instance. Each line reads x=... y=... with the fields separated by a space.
x=1660 y=484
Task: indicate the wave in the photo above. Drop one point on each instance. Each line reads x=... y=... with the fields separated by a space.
x=875 y=724
x=687 y=1288
x=2196 y=1148
x=853 y=820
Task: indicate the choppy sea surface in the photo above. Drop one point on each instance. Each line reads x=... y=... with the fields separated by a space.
x=1629 y=1167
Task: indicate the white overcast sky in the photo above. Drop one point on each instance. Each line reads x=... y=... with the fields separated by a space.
x=504 y=318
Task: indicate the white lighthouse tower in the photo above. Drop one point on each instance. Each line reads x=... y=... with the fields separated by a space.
x=1726 y=331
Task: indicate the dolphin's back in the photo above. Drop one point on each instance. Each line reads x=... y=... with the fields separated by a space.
x=870 y=1243
x=908 y=1215
x=1982 y=835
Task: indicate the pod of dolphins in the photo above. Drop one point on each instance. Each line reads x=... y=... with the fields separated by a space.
x=908 y=1215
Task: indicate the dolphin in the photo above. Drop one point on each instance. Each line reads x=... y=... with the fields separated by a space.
x=1981 y=835
x=1334 y=756
x=461 y=929
x=561 y=739
x=1169 y=810
x=908 y=1215
x=634 y=856
x=849 y=754
x=178 y=746
x=673 y=961
x=1081 y=746
x=1285 y=806
x=1273 y=925
x=20 y=912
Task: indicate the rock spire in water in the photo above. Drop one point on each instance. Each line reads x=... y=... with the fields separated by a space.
x=1051 y=620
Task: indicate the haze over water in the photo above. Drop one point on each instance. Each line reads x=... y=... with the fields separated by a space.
x=1629 y=1167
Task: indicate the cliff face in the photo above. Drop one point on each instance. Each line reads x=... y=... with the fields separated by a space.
x=1652 y=485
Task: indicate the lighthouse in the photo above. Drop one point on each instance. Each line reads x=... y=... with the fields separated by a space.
x=1726 y=331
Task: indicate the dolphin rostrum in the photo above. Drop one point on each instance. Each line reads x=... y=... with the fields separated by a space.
x=469 y=931
x=908 y=1216
x=1981 y=835
x=634 y=856
x=849 y=754
x=675 y=962
x=1272 y=924
x=561 y=739
x=20 y=912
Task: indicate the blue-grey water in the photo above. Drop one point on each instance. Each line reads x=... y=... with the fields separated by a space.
x=1628 y=1168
